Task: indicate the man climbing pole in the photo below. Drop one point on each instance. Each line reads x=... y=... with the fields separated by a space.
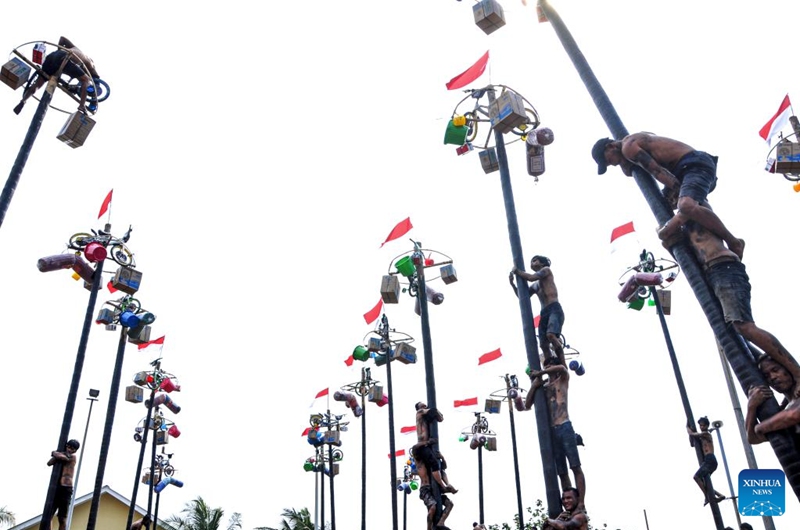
x=686 y=174
x=552 y=315
x=79 y=66
x=572 y=518
x=565 y=441
x=430 y=462
x=709 y=464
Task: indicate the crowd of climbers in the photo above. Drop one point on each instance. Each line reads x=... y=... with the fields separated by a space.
x=553 y=379
x=688 y=177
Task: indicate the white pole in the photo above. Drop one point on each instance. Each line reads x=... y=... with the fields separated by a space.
x=92 y=398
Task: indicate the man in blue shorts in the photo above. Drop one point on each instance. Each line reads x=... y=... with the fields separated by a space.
x=551 y=317
x=79 y=66
x=688 y=177
x=709 y=464
x=565 y=443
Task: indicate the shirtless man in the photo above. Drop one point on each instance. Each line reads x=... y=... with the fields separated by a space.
x=431 y=462
x=709 y=464
x=551 y=318
x=689 y=174
x=783 y=376
x=727 y=277
x=63 y=496
x=573 y=517
x=565 y=446
x=78 y=66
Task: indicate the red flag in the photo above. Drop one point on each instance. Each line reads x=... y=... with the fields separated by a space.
x=305 y=432
x=491 y=356
x=105 y=205
x=373 y=314
x=465 y=402
x=620 y=231
x=399 y=230
x=111 y=287
x=349 y=361
x=471 y=74
x=321 y=393
x=158 y=342
x=778 y=121
x=407 y=430
x=152 y=348
x=401 y=452
x=536 y=320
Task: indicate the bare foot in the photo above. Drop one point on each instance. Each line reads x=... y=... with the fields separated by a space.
x=450 y=489
x=737 y=248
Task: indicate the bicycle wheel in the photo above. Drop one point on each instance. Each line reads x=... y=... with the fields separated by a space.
x=122 y=255
x=102 y=88
x=472 y=121
x=80 y=240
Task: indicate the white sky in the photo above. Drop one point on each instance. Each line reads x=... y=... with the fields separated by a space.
x=262 y=154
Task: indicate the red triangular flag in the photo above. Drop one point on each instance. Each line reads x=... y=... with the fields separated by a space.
x=399 y=230
x=407 y=430
x=465 y=402
x=321 y=393
x=105 y=205
x=778 y=121
x=349 y=361
x=305 y=432
x=471 y=74
x=111 y=287
x=620 y=231
x=401 y=452
x=373 y=314
x=491 y=356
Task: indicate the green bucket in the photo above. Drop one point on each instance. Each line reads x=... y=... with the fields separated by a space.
x=455 y=135
x=361 y=354
x=405 y=266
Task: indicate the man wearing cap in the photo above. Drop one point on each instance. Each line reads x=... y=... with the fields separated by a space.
x=685 y=173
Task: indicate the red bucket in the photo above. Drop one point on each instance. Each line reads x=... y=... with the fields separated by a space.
x=95 y=252
x=174 y=431
x=168 y=386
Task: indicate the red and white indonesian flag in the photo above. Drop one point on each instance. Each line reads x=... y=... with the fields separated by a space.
x=153 y=348
x=624 y=236
x=322 y=393
x=773 y=127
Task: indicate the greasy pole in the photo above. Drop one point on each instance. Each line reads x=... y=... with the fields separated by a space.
x=25 y=150
x=66 y=424
x=740 y=359
x=687 y=408
x=529 y=333
x=113 y=393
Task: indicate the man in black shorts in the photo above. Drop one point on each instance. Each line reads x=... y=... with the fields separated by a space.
x=79 y=66
x=709 y=464
x=63 y=496
x=551 y=317
x=688 y=177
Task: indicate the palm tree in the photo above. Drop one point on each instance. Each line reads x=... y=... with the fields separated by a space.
x=197 y=515
x=6 y=517
x=294 y=520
